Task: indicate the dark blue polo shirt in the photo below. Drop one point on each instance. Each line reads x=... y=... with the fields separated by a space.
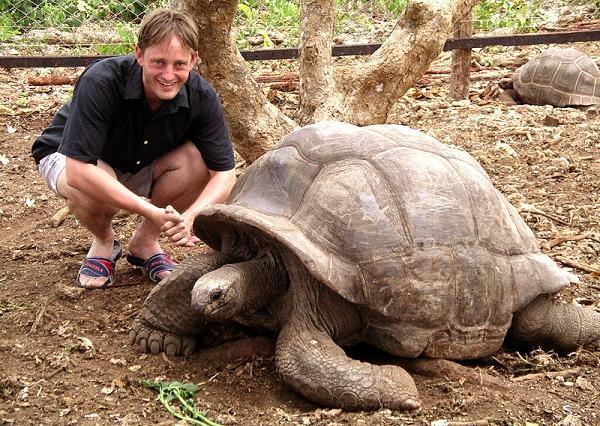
x=108 y=118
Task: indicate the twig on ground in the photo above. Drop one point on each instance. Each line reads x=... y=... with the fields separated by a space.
x=451 y=370
x=38 y=319
x=563 y=239
x=55 y=372
x=527 y=208
x=60 y=216
x=549 y=374
x=579 y=265
x=166 y=359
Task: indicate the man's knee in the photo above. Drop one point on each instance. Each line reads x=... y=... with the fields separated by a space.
x=186 y=159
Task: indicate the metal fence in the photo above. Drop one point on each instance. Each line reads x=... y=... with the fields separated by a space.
x=73 y=28
x=70 y=27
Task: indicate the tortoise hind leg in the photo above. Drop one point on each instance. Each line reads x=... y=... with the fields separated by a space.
x=311 y=363
x=166 y=321
x=561 y=325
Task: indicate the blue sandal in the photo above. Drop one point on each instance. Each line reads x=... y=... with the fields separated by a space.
x=103 y=267
x=154 y=265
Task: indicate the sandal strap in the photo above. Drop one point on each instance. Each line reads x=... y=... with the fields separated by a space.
x=160 y=262
x=97 y=267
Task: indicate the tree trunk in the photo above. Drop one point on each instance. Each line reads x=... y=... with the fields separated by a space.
x=255 y=124
x=461 y=60
x=361 y=94
x=317 y=20
x=370 y=90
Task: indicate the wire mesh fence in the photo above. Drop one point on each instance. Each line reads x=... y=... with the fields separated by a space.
x=108 y=27
x=34 y=27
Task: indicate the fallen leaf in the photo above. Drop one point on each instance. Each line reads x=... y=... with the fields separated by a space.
x=107 y=390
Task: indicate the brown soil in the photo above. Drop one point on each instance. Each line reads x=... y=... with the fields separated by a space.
x=63 y=351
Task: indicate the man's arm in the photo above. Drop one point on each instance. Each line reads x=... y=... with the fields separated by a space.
x=216 y=191
x=99 y=185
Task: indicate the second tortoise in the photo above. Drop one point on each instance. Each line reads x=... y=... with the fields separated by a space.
x=558 y=77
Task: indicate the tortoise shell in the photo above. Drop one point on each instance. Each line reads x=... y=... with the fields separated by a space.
x=558 y=77
x=394 y=221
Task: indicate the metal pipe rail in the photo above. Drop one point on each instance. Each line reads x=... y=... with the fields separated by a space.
x=340 y=50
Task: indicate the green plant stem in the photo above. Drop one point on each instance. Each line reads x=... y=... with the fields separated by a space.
x=162 y=397
x=195 y=411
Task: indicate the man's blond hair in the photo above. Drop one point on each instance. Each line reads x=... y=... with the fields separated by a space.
x=161 y=24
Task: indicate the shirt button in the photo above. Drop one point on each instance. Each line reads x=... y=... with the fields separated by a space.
x=145 y=142
x=138 y=162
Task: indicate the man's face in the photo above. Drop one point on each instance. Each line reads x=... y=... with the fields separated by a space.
x=165 y=69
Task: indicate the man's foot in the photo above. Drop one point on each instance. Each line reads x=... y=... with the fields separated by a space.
x=156 y=267
x=98 y=271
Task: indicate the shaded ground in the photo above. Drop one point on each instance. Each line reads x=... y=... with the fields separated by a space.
x=63 y=352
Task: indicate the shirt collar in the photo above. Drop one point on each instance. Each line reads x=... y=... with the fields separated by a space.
x=134 y=90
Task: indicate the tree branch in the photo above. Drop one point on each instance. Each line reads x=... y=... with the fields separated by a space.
x=255 y=124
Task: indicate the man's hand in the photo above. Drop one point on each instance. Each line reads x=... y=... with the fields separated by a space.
x=180 y=231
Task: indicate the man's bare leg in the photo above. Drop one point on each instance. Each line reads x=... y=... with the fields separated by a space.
x=179 y=178
x=95 y=217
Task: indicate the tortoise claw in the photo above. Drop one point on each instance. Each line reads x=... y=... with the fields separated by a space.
x=151 y=340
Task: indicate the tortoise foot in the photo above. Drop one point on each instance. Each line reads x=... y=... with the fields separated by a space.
x=152 y=340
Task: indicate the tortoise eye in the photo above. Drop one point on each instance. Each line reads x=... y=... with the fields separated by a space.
x=216 y=295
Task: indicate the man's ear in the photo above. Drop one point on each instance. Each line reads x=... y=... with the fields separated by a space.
x=139 y=54
x=194 y=60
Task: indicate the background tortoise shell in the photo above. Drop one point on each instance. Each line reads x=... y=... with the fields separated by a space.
x=392 y=220
x=558 y=77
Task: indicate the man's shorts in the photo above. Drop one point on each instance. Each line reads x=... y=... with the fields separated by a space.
x=139 y=183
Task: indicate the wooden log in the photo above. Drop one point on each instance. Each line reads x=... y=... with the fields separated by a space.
x=51 y=80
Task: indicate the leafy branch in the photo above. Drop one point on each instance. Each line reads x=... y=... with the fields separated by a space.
x=182 y=393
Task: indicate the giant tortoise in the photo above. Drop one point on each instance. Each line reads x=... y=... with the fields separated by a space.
x=379 y=234
x=559 y=77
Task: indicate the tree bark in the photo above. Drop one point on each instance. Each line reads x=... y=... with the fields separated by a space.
x=317 y=20
x=368 y=91
x=461 y=60
x=255 y=125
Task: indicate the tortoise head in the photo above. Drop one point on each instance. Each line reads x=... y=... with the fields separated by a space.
x=240 y=288
x=505 y=83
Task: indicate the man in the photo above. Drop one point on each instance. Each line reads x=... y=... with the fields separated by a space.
x=140 y=127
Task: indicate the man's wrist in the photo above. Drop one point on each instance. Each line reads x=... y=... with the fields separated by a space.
x=146 y=208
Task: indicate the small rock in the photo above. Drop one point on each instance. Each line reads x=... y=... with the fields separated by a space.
x=550 y=120
x=276 y=38
x=584 y=384
x=68 y=292
x=570 y=420
x=255 y=41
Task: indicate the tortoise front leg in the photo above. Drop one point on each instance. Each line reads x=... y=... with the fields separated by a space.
x=311 y=363
x=166 y=321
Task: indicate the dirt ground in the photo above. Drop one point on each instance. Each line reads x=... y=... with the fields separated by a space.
x=64 y=357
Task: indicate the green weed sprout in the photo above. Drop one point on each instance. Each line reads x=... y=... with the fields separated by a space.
x=181 y=393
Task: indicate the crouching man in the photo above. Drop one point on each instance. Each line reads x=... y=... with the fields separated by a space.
x=138 y=128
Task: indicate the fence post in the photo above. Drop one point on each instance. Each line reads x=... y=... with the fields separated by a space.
x=461 y=60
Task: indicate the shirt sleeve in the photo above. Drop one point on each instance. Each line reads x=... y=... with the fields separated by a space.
x=89 y=120
x=210 y=135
